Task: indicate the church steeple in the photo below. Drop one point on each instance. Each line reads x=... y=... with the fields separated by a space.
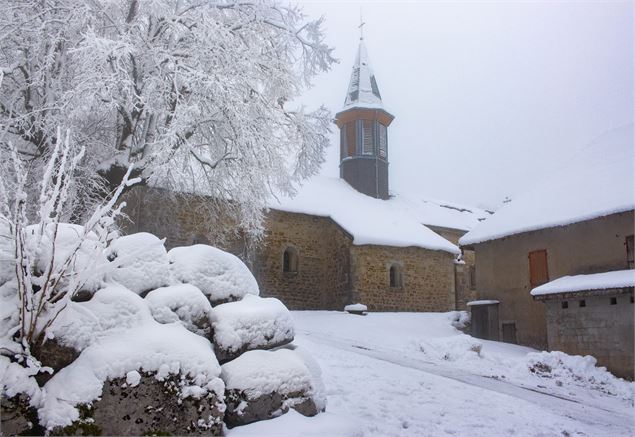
x=363 y=124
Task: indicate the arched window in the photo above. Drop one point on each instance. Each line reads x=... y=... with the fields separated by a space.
x=396 y=277
x=290 y=260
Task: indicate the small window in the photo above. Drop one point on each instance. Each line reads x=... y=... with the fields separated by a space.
x=565 y=304
x=290 y=260
x=582 y=303
x=396 y=277
x=538 y=271
x=614 y=301
x=632 y=299
x=630 y=260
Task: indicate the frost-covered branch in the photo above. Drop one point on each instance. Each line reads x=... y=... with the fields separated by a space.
x=187 y=91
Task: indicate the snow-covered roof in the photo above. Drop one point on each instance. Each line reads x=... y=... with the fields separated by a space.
x=363 y=91
x=432 y=212
x=368 y=220
x=597 y=181
x=597 y=281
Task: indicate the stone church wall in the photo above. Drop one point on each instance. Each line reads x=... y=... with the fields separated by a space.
x=322 y=280
x=427 y=278
x=464 y=274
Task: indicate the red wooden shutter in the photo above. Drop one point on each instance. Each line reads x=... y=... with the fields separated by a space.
x=538 y=272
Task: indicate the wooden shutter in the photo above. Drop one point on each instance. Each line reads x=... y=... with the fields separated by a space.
x=367 y=137
x=630 y=255
x=351 y=138
x=538 y=272
x=383 y=152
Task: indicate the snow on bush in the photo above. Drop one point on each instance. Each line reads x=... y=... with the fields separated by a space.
x=60 y=242
x=152 y=347
x=182 y=303
x=253 y=322
x=220 y=275
x=141 y=262
x=455 y=348
x=112 y=310
x=259 y=373
x=576 y=370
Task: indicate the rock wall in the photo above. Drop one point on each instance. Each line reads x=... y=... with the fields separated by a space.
x=603 y=327
x=427 y=278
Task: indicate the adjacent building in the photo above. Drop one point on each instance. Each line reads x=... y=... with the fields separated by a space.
x=554 y=266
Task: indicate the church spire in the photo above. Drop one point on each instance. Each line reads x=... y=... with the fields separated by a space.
x=363 y=125
x=363 y=91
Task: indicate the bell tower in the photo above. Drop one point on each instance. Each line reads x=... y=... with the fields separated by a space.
x=363 y=124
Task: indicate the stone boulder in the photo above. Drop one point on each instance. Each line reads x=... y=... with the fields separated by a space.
x=223 y=277
x=140 y=262
x=142 y=405
x=183 y=303
x=17 y=417
x=261 y=385
x=252 y=323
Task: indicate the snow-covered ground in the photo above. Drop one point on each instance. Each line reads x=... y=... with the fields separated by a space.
x=414 y=374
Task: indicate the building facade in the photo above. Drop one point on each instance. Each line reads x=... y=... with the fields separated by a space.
x=341 y=241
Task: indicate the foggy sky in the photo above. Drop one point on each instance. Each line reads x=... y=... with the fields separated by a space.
x=487 y=96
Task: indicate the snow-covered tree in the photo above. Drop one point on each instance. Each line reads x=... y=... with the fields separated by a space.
x=193 y=92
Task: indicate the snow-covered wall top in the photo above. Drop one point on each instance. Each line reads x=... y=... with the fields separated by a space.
x=368 y=220
x=597 y=181
x=363 y=91
x=597 y=281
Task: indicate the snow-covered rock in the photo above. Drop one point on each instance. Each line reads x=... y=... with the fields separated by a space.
x=140 y=404
x=69 y=242
x=222 y=276
x=252 y=323
x=182 y=303
x=141 y=262
x=165 y=351
x=264 y=384
x=356 y=308
x=112 y=310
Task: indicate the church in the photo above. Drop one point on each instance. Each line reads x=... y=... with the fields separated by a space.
x=350 y=239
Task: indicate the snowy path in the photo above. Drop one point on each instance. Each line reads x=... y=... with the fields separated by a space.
x=392 y=391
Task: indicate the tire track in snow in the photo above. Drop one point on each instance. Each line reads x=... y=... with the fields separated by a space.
x=622 y=423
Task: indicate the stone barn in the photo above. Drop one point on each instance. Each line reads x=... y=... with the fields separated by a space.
x=548 y=263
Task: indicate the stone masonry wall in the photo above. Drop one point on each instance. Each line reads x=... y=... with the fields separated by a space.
x=322 y=280
x=599 y=328
x=428 y=278
x=465 y=287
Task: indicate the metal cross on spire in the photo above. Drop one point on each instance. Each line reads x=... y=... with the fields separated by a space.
x=361 y=25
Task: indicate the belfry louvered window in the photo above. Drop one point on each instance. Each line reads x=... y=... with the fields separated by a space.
x=367 y=137
x=383 y=149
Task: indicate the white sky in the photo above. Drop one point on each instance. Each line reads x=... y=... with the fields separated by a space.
x=486 y=95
